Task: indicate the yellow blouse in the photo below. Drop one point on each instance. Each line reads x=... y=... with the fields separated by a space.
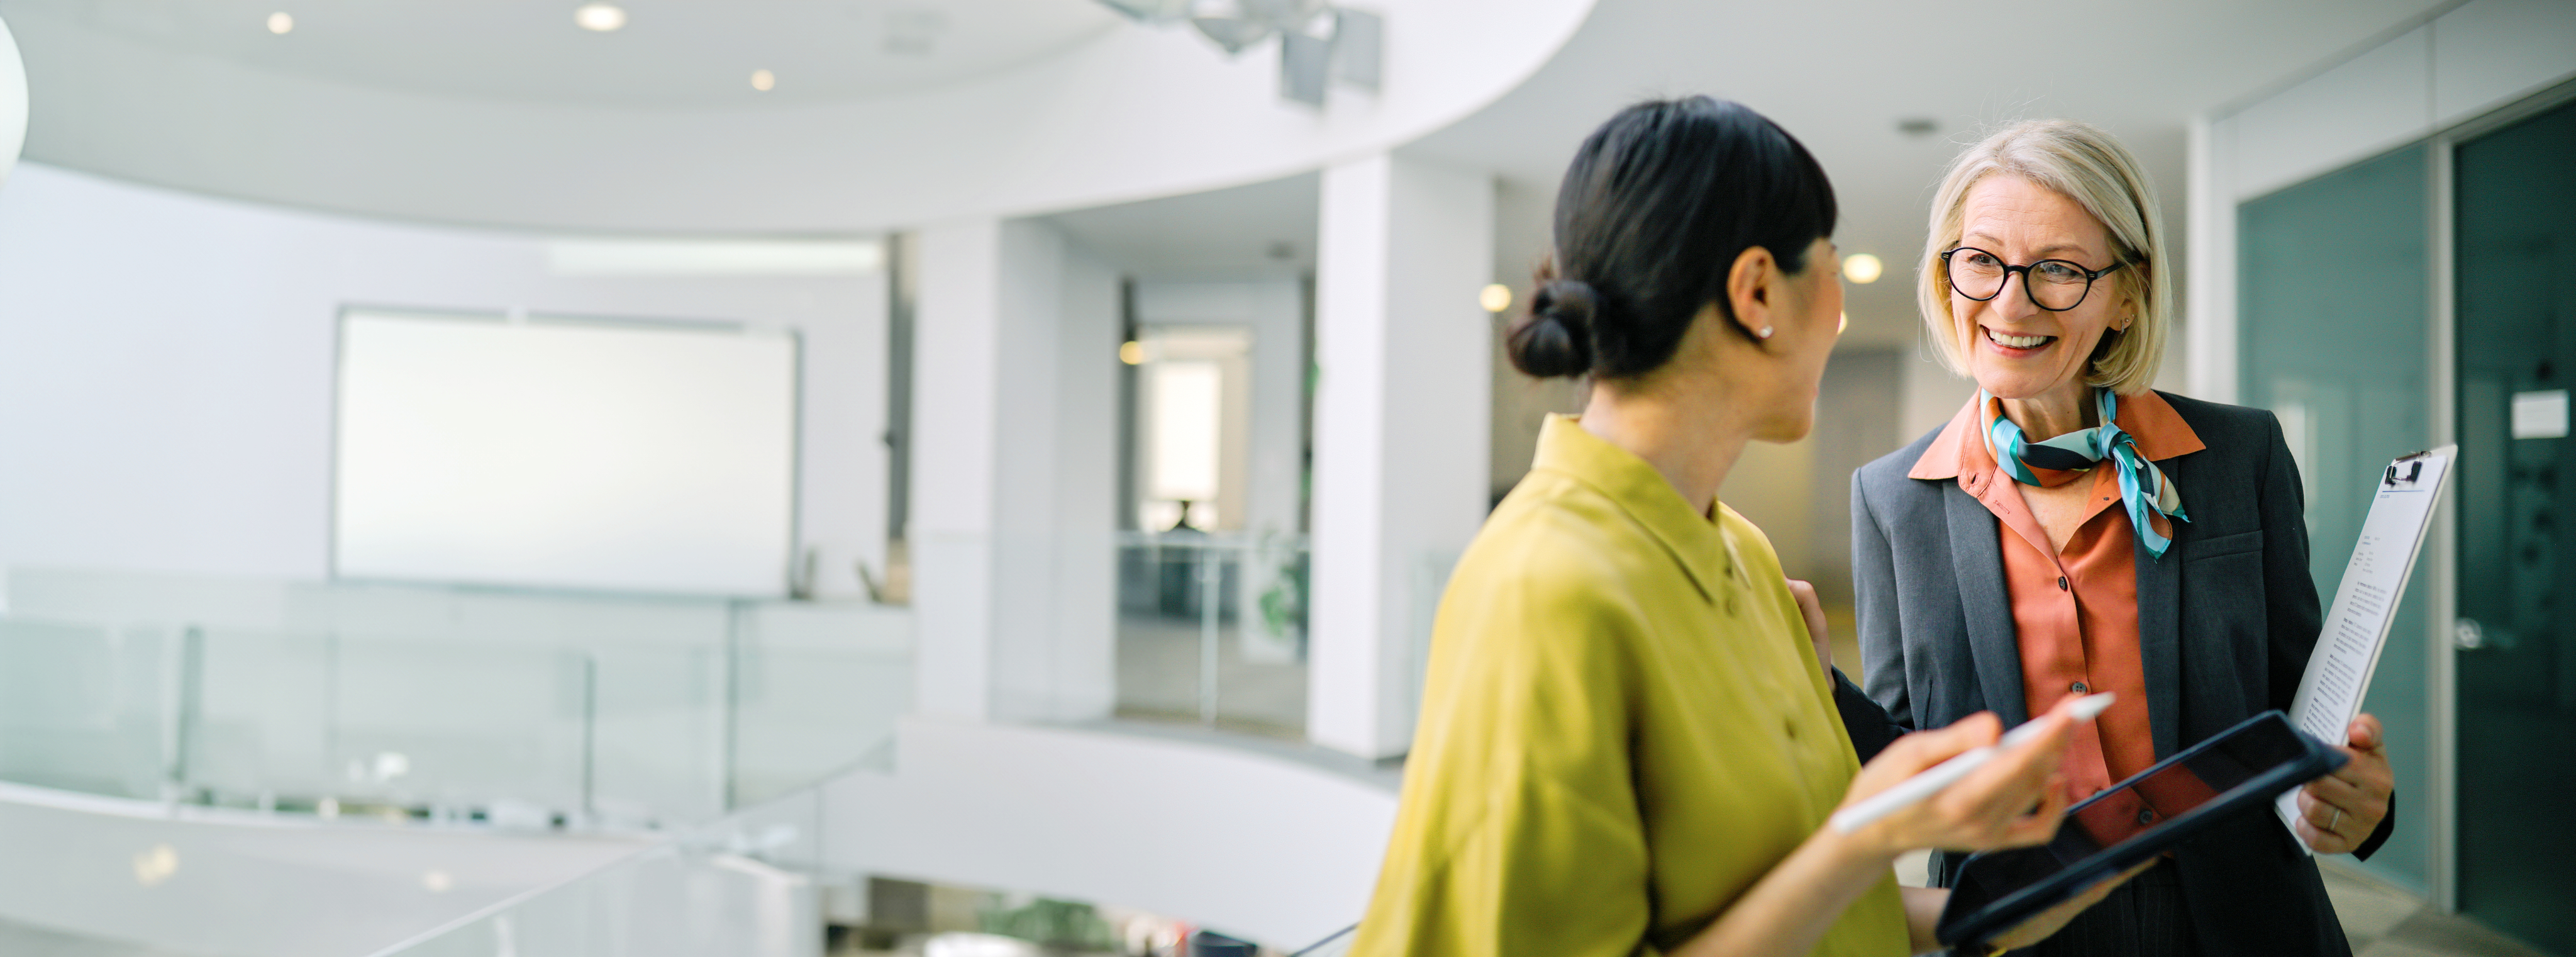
x=1623 y=728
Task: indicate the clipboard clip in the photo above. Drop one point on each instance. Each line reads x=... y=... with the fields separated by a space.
x=2413 y=469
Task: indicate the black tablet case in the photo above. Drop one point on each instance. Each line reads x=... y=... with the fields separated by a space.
x=2047 y=875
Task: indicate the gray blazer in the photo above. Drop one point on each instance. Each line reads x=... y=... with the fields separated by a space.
x=2226 y=620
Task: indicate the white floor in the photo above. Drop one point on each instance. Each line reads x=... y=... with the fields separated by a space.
x=2384 y=921
x=18 y=940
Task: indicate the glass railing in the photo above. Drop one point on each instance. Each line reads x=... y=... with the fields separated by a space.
x=1334 y=946
x=1212 y=629
x=523 y=711
x=673 y=899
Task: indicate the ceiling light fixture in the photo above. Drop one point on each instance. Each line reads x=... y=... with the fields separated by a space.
x=599 y=16
x=1863 y=268
x=1495 y=298
x=281 y=23
x=1319 y=43
x=763 y=80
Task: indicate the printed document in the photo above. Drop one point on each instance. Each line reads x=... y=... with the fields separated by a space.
x=2356 y=625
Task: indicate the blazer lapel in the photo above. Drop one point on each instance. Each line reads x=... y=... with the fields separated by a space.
x=1976 y=555
x=2160 y=632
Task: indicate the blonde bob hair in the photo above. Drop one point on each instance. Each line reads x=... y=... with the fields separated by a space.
x=2090 y=167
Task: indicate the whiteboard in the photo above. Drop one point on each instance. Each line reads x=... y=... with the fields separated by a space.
x=565 y=454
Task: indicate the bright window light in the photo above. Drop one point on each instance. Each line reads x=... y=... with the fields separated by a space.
x=1183 y=443
x=565 y=455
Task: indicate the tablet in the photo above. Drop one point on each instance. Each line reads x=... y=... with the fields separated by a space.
x=2239 y=770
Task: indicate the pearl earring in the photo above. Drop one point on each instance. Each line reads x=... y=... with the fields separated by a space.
x=1762 y=333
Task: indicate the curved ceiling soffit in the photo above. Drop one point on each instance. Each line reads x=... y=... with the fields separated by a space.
x=1136 y=114
x=13 y=102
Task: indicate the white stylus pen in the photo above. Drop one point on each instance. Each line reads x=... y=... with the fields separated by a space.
x=1947 y=773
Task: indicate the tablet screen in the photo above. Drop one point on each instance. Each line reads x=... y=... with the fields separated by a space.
x=2135 y=811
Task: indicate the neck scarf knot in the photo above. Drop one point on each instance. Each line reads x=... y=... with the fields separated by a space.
x=2152 y=502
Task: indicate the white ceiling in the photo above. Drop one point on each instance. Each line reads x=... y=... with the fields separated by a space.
x=672 y=53
x=1260 y=231
x=1841 y=75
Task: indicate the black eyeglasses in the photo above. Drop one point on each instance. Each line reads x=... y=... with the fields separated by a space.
x=2056 y=285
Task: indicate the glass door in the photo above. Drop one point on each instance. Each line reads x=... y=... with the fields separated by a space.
x=2331 y=303
x=2516 y=255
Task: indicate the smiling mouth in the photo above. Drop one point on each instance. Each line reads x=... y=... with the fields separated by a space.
x=2018 y=343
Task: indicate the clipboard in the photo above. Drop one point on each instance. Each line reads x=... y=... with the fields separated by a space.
x=2365 y=604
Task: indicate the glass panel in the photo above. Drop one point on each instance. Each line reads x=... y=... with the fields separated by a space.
x=263 y=728
x=81 y=707
x=458 y=723
x=523 y=709
x=2517 y=688
x=1212 y=629
x=2332 y=308
x=820 y=692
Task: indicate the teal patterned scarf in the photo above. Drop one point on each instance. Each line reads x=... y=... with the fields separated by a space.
x=2152 y=502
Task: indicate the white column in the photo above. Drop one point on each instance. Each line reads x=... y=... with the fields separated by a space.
x=1402 y=416
x=1013 y=474
x=2208 y=311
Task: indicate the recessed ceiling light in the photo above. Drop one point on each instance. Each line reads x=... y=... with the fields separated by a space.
x=599 y=16
x=1863 y=268
x=763 y=80
x=1918 y=127
x=1495 y=298
x=281 y=23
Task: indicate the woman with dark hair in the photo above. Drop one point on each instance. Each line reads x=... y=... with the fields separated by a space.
x=1627 y=744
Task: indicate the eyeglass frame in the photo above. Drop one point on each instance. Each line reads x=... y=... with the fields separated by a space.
x=1951 y=276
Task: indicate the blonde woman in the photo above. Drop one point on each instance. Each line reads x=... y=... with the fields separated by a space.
x=2072 y=530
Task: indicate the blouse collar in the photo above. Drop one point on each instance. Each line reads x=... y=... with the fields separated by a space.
x=1696 y=541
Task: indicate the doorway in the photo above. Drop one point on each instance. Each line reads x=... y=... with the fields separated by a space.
x=2515 y=195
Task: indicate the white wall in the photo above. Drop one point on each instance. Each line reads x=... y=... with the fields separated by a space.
x=166 y=370
x=1278 y=851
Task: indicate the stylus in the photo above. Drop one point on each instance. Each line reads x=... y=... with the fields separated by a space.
x=1947 y=773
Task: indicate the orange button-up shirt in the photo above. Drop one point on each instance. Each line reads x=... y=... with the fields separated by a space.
x=2075 y=610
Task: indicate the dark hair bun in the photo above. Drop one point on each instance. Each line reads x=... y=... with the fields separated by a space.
x=1555 y=339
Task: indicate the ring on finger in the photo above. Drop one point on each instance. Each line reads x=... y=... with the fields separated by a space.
x=2338 y=819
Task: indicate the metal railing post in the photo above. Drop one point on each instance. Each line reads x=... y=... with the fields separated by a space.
x=589 y=736
x=1211 y=580
x=180 y=690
